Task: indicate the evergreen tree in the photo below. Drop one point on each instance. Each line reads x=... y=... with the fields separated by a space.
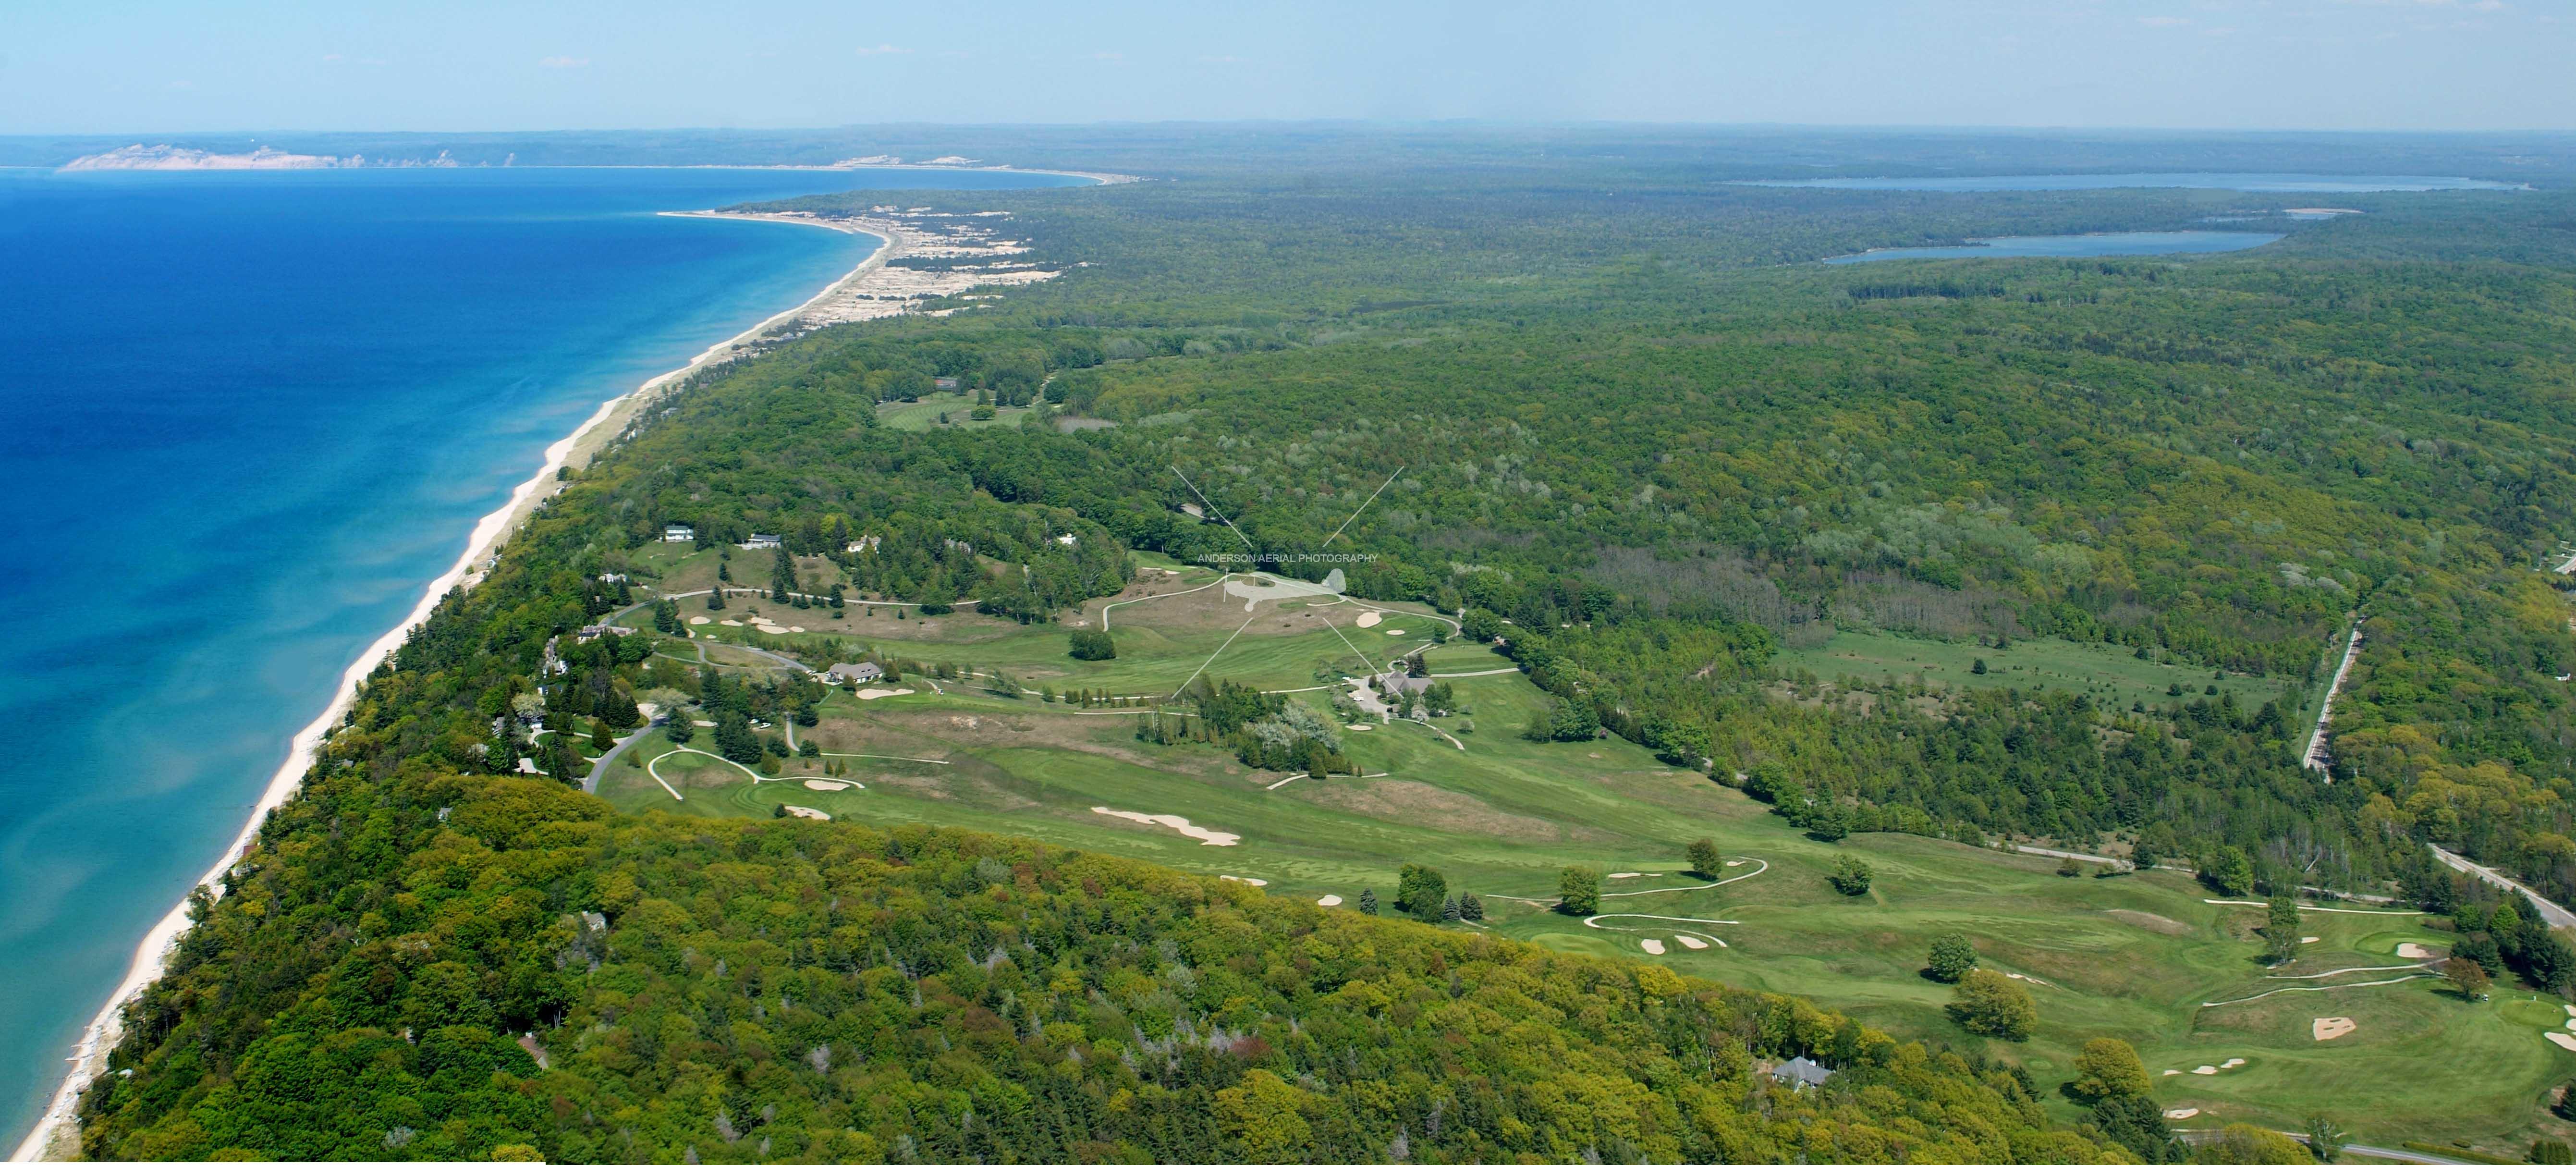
x=1953 y=956
x=1449 y=910
x=1470 y=907
x=1368 y=903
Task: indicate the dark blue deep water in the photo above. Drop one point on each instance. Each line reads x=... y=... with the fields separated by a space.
x=244 y=419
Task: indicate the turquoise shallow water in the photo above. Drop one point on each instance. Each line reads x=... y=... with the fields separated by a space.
x=2076 y=246
x=248 y=416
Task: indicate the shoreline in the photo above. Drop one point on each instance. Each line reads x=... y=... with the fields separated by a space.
x=58 y=1124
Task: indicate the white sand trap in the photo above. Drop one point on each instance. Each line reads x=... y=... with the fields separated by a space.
x=1363 y=727
x=2205 y=1070
x=2235 y=1062
x=2308 y=939
x=827 y=786
x=882 y=693
x=1329 y=900
x=2331 y=1028
x=1245 y=881
x=2420 y=951
x=802 y=811
x=2571 y=1010
x=1654 y=946
x=1628 y=875
x=704 y=723
x=1735 y=861
x=1692 y=943
x=1172 y=822
x=772 y=629
x=2027 y=978
x=1395 y=630
x=699 y=620
x=1369 y=618
x=2562 y=1039
x=2181 y=1114
x=2571 y=1025
x=2173 y=1071
x=731 y=622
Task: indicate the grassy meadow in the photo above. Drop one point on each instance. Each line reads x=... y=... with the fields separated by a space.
x=2132 y=955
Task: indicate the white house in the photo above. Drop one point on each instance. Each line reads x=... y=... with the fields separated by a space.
x=853 y=673
x=679 y=534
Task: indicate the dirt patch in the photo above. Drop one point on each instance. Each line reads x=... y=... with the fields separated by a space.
x=2145 y=921
x=2331 y=1027
x=1412 y=802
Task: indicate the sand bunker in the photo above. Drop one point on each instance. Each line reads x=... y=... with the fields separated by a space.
x=2205 y=1070
x=1172 y=822
x=2234 y=1062
x=699 y=620
x=2419 y=951
x=1692 y=943
x=827 y=786
x=2173 y=1071
x=2331 y=1028
x=1245 y=881
x=1329 y=900
x=1363 y=727
x=2181 y=1114
x=1735 y=861
x=1628 y=875
x=2027 y=978
x=1369 y=618
x=731 y=622
x=2562 y=1039
x=802 y=811
x=704 y=723
x=1654 y=946
x=881 y=693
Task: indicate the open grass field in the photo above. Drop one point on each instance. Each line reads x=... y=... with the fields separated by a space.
x=2109 y=673
x=2133 y=956
x=924 y=413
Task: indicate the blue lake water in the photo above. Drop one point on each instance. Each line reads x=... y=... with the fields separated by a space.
x=2251 y=183
x=2076 y=246
x=250 y=416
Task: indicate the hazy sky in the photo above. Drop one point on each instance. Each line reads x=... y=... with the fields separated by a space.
x=137 y=67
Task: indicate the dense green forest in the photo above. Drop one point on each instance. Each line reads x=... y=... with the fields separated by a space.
x=1629 y=432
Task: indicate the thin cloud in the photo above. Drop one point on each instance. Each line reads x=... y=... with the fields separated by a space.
x=566 y=62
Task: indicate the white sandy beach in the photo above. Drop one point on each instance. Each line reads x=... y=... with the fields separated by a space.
x=870 y=290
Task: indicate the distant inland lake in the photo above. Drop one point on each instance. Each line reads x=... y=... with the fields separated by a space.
x=2251 y=183
x=2076 y=246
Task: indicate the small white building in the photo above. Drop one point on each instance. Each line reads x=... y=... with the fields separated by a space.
x=763 y=542
x=677 y=533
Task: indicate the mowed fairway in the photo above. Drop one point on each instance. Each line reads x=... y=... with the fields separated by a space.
x=2110 y=673
x=2132 y=956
